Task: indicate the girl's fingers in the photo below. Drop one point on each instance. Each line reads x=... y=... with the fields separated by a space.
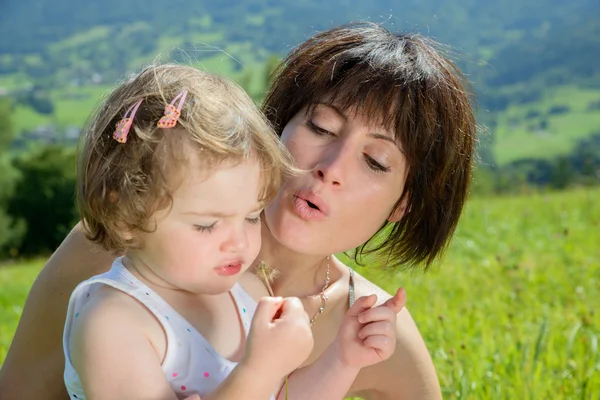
x=380 y=342
x=397 y=302
x=380 y=328
x=379 y=313
x=361 y=304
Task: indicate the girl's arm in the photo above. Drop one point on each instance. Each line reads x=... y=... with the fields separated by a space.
x=117 y=348
x=409 y=374
x=113 y=347
x=366 y=337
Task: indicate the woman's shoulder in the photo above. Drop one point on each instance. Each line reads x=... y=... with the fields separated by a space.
x=364 y=287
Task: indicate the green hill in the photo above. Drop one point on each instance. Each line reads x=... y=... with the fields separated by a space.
x=532 y=64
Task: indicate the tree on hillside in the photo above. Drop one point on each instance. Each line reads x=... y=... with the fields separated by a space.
x=11 y=231
x=6 y=124
x=44 y=197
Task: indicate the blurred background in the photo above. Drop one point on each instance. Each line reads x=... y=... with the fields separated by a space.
x=510 y=312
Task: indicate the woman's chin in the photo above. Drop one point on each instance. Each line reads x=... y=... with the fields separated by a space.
x=298 y=237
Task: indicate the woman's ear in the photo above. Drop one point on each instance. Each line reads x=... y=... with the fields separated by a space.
x=400 y=210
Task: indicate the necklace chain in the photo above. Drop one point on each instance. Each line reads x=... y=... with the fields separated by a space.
x=322 y=295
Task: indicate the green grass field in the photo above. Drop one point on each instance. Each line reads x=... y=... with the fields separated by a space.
x=511 y=312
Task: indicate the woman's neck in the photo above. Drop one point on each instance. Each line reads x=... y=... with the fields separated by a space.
x=296 y=274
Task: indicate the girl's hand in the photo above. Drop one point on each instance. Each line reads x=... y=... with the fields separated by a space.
x=280 y=337
x=367 y=335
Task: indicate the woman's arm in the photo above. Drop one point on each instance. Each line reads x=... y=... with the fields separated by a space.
x=34 y=365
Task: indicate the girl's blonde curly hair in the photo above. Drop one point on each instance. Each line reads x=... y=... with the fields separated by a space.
x=121 y=185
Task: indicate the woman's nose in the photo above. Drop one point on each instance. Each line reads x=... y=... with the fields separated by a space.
x=334 y=164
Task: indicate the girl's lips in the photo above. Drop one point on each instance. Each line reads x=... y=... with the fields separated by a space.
x=305 y=211
x=229 y=269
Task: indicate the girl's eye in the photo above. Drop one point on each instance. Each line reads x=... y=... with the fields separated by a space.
x=253 y=220
x=205 y=228
x=317 y=129
x=374 y=165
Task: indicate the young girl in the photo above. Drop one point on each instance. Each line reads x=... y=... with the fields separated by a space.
x=175 y=170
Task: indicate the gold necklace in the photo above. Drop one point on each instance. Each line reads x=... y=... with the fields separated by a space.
x=324 y=297
x=267 y=273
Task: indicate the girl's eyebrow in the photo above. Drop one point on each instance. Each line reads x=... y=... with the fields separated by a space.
x=219 y=214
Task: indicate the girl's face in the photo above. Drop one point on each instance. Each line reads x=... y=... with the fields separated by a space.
x=210 y=235
x=355 y=174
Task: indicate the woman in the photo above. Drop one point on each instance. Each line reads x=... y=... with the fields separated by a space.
x=385 y=125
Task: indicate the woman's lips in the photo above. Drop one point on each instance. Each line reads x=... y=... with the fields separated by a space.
x=313 y=200
x=305 y=211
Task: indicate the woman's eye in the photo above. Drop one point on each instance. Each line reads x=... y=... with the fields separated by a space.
x=317 y=129
x=205 y=228
x=375 y=165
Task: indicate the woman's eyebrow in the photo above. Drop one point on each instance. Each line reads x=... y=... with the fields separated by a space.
x=374 y=135
x=383 y=137
x=333 y=107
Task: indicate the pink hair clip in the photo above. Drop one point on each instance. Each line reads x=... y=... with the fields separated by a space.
x=172 y=113
x=123 y=126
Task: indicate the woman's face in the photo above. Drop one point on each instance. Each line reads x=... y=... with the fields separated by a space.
x=354 y=175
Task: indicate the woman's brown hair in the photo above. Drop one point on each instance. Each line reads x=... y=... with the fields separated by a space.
x=405 y=83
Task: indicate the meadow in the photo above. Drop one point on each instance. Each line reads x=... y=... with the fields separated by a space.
x=509 y=313
x=547 y=128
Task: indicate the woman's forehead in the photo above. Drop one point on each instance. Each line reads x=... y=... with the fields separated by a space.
x=373 y=119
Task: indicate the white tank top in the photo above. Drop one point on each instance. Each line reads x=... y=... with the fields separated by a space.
x=191 y=365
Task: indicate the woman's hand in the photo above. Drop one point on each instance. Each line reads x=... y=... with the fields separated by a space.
x=368 y=334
